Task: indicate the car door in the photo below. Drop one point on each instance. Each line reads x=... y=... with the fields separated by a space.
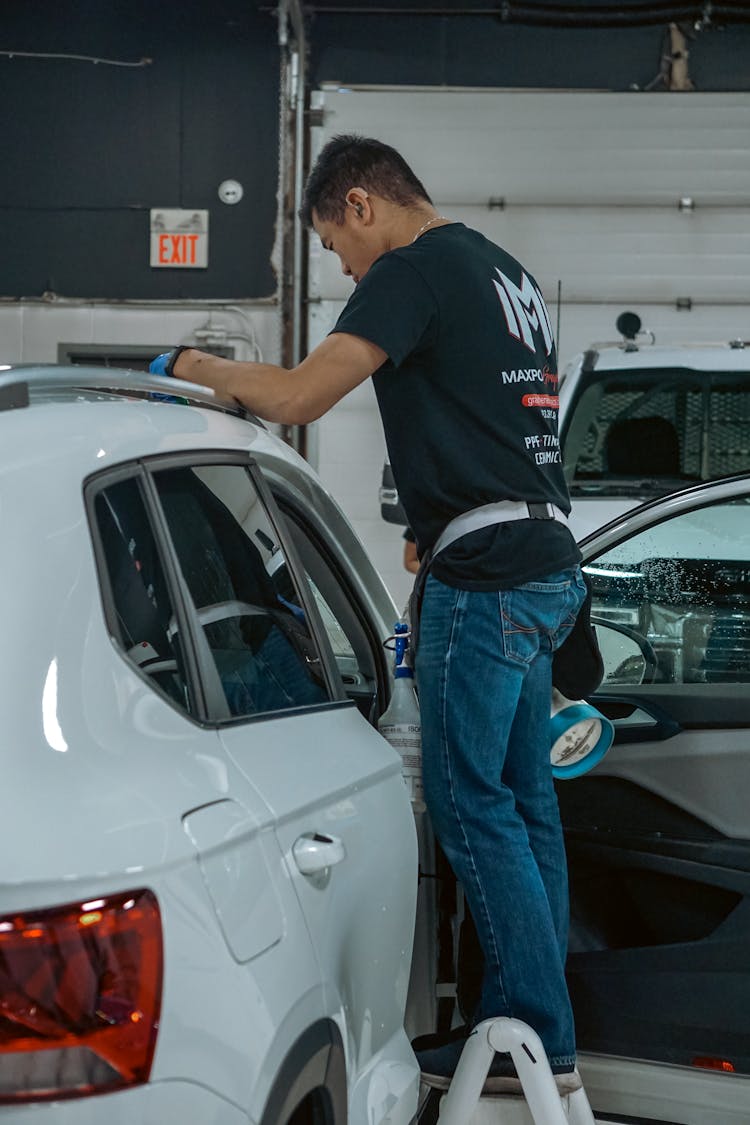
x=341 y=814
x=223 y=1026
x=658 y=835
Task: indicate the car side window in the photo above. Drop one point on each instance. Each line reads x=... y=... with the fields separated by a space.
x=357 y=652
x=228 y=552
x=140 y=601
x=681 y=591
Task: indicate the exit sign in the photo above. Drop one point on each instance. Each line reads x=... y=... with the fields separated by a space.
x=179 y=238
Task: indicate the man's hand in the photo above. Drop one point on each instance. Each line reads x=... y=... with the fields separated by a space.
x=158 y=366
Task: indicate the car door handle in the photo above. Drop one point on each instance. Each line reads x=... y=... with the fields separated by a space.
x=636 y=720
x=314 y=852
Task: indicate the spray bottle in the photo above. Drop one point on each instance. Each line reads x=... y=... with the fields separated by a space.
x=400 y=723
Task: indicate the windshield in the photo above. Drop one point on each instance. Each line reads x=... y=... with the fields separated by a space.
x=649 y=431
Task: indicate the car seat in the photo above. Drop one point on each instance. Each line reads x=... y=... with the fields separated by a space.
x=141 y=600
x=643 y=447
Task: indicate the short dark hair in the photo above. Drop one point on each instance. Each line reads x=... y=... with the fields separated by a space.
x=349 y=161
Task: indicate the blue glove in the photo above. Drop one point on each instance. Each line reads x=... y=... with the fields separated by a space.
x=159 y=365
x=164 y=365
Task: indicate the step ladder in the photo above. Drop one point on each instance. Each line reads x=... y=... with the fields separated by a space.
x=541 y=1102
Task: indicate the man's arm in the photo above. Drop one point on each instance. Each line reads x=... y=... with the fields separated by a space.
x=411 y=558
x=290 y=396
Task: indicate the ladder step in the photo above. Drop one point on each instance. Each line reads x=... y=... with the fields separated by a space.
x=541 y=1103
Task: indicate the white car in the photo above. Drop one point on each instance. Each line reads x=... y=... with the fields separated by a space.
x=209 y=868
x=639 y=420
x=207 y=902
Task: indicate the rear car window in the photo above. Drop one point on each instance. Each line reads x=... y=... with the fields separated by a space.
x=659 y=427
x=247 y=606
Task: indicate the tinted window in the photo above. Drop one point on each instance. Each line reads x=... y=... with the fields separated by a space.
x=684 y=586
x=357 y=652
x=670 y=425
x=228 y=552
x=143 y=612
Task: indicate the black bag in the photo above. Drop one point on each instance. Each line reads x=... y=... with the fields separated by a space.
x=577 y=665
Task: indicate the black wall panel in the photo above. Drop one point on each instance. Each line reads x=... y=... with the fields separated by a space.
x=390 y=42
x=89 y=149
x=94 y=147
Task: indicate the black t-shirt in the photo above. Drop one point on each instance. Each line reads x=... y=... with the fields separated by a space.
x=468 y=399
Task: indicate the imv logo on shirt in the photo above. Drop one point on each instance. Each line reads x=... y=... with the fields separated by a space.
x=525 y=311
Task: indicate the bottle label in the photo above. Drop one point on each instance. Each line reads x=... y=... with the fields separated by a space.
x=411 y=761
x=403 y=736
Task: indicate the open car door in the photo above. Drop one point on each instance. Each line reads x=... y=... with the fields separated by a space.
x=658 y=835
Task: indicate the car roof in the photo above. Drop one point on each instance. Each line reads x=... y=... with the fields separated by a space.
x=696 y=357
x=84 y=419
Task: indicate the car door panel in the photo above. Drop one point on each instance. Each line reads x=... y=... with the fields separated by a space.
x=337 y=809
x=332 y=785
x=658 y=834
x=340 y=781
x=660 y=924
x=678 y=707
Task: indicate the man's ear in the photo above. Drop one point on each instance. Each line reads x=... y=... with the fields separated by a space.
x=359 y=199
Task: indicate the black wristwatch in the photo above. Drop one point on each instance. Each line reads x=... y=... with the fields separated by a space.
x=169 y=369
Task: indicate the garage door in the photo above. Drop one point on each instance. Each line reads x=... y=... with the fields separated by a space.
x=613 y=201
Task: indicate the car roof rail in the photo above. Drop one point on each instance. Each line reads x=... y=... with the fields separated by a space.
x=590 y=358
x=19 y=384
x=736 y=344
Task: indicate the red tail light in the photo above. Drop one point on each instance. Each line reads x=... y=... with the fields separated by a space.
x=80 y=993
x=710 y=1062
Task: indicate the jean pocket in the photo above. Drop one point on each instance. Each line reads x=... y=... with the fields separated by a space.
x=524 y=616
x=539 y=609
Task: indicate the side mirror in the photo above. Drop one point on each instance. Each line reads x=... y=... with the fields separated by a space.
x=628 y=656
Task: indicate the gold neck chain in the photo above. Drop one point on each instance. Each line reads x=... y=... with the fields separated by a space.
x=423 y=228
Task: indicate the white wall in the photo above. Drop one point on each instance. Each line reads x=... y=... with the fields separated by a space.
x=347 y=448
x=591 y=184
x=31 y=331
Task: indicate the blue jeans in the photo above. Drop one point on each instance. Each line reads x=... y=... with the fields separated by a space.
x=484 y=671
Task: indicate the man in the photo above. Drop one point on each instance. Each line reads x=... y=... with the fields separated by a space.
x=457 y=339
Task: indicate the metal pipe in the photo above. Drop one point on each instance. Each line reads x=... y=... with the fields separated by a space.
x=293 y=50
x=296 y=223
x=299 y=64
x=738 y=204
x=561 y=16
x=667 y=302
x=198 y=303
